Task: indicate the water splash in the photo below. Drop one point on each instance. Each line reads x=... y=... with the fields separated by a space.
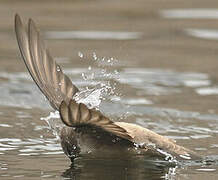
x=171 y=174
x=90 y=97
x=101 y=81
x=80 y=54
x=167 y=156
x=101 y=88
x=53 y=121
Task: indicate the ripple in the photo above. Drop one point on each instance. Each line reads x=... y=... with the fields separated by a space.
x=161 y=82
x=31 y=146
x=93 y=35
x=136 y=101
x=191 y=13
x=197 y=83
x=200 y=136
x=207 y=91
x=18 y=92
x=5 y=125
x=155 y=111
x=203 y=33
x=206 y=170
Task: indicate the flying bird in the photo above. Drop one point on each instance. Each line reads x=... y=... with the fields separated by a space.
x=86 y=131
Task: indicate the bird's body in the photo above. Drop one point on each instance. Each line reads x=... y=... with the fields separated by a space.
x=85 y=140
x=87 y=131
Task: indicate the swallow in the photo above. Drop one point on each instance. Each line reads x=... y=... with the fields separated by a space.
x=87 y=131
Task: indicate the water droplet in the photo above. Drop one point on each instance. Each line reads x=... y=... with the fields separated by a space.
x=84 y=76
x=58 y=68
x=94 y=56
x=80 y=54
x=103 y=71
x=116 y=72
x=89 y=68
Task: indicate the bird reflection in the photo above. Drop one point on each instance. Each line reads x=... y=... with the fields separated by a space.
x=136 y=168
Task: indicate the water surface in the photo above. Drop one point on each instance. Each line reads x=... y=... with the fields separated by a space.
x=153 y=64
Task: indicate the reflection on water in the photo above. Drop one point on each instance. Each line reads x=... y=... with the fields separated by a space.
x=206 y=170
x=95 y=35
x=30 y=147
x=159 y=82
x=207 y=90
x=133 y=168
x=203 y=33
x=136 y=101
x=190 y=13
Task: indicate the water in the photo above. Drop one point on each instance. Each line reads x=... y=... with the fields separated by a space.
x=93 y=35
x=191 y=13
x=153 y=64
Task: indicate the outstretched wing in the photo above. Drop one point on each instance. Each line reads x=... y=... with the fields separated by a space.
x=76 y=115
x=46 y=73
x=155 y=142
x=55 y=85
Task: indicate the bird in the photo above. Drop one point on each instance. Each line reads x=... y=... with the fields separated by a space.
x=87 y=131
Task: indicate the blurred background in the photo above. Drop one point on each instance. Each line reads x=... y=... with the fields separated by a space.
x=157 y=61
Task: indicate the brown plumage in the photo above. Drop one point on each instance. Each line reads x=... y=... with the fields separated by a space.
x=87 y=130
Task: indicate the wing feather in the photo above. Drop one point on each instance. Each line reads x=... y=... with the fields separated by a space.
x=55 y=85
x=80 y=115
x=46 y=73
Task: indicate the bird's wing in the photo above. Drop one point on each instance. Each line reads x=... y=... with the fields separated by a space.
x=76 y=115
x=55 y=85
x=46 y=73
x=154 y=141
